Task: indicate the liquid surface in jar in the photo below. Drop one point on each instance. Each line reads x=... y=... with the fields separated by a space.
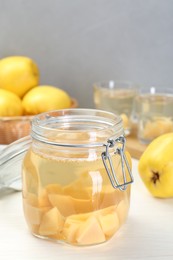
x=72 y=199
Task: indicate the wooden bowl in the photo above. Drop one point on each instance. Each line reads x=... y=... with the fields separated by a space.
x=14 y=128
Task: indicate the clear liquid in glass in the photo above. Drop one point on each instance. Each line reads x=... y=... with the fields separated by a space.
x=155 y=116
x=118 y=101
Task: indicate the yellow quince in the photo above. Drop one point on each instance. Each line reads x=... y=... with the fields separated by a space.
x=44 y=98
x=18 y=74
x=156 y=166
x=10 y=104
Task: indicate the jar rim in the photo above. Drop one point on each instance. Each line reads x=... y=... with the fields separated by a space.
x=75 y=120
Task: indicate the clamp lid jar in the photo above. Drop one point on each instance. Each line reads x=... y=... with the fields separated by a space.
x=76 y=176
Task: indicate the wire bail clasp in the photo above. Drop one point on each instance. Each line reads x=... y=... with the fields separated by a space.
x=120 y=150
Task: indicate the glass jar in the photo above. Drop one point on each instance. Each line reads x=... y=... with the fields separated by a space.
x=76 y=176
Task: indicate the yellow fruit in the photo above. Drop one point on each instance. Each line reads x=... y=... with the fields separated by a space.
x=90 y=232
x=51 y=222
x=63 y=203
x=10 y=104
x=18 y=74
x=109 y=223
x=44 y=98
x=156 y=166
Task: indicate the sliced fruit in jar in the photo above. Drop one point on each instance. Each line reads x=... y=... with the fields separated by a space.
x=34 y=214
x=51 y=223
x=78 y=228
x=82 y=206
x=69 y=232
x=109 y=223
x=90 y=232
x=79 y=188
x=63 y=203
x=54 y=189
x=43 y=200
x=109 y=196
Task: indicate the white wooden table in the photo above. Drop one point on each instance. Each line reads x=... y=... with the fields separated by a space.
x=147 y=234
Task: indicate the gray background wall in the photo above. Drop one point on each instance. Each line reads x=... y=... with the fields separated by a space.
x=78 y=42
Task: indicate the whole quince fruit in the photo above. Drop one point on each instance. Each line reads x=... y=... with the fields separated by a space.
x=44 y=98
x=10 y=104
x=156 y=166
x=18 y=74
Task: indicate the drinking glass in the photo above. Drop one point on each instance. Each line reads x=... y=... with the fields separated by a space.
x=154 y=110
x=117 y=97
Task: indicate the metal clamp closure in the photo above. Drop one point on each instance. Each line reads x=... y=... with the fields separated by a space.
x=120 y=150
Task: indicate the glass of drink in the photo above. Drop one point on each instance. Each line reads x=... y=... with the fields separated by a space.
x=117 y=97
x=154 y=109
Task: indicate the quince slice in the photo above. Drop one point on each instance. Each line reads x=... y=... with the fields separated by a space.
x=109 y=223
x=54 y=189
x=90 y=232
x=52 y=222
x=82 y=206
x=69 y=233
x=63 y=203
x=33 y=214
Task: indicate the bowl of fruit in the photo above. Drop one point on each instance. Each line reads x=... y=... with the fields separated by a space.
x=22 y=97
